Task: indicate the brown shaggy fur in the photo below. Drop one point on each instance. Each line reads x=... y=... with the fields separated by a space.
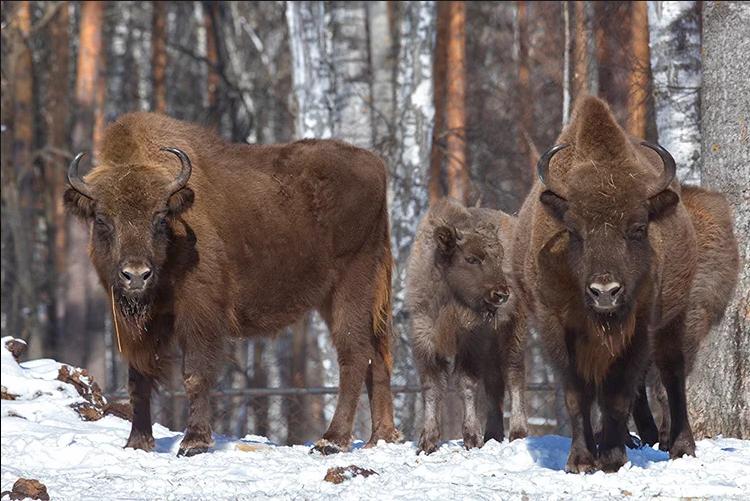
x=258 y=237
x=602 y=219
x=460 y=258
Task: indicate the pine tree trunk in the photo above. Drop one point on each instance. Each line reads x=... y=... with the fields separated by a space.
x=159 y=55
x=676 y=69
x=639 y=84
x=440 y=77
x=85 y=305
x=524 y=94
x=719 y=388
x=457 y=168
x=55 y=175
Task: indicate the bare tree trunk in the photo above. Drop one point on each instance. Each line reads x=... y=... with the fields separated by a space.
x=525 y=123
x=212 y=56
x=351 y=73
x=382 y=67
x=587 y=66
x=639 y=81
x=676 y=69
x=55 y=175
x=435 y=183
x=458 y=174
x=159 y=55
x=84 y=308
x=409 y=172
x=566 y=65
x=719 y=388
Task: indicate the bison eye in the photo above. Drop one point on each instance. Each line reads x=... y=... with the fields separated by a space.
x=473 y=260
x=100 y=223
x=163 y=222
x=638 y=232
x=572 y=235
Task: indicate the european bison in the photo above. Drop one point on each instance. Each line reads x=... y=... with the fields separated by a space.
x=604 y=259
x=466 y=320
x=242 y=242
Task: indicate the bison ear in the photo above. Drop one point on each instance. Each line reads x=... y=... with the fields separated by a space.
x=555 y=204
x=662 y=204
x=445 y=237
x=78 y=205
x=181 y=201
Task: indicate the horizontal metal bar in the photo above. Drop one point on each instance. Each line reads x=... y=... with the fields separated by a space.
x=291 y=392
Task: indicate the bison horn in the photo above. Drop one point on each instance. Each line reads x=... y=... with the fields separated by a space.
x=542 y=167
x=670 y=169
x=75 y=179
x=182 y=178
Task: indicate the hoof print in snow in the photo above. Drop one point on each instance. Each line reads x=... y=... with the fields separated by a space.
x=16 y=347
x=339 y=474
x=87 y=411
x=7 y=396
x=28 y=488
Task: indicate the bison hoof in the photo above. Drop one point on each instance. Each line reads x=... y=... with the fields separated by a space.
x=428 y=442
x=580 y=462
x=664 y=443
x=326 y=448
x=518 y=434
x=473 y=440
x=633 y=442
x=611 y=460
x=142 y=442
x=191 y=451
x=682 y=448
x=392 y=437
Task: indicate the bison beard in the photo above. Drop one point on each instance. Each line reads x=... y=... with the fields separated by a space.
x=134 y=308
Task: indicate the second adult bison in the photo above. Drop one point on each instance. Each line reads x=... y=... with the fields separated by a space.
x=605 y=258
x=242 y=242
x=465 y=319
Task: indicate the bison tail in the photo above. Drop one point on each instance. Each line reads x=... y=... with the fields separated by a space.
x=382 y=316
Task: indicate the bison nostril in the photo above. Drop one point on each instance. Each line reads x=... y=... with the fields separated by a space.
x=594 y=292
x=615 y=291
x=146 y=275
x=124 y=274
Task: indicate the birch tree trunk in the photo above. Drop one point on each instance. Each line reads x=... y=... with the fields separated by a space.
x=675 y=43
x=719 y=388
x=351 y=73
x=408 y=178
x=382 y=66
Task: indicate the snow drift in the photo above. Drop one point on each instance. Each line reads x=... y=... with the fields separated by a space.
x=44 y=438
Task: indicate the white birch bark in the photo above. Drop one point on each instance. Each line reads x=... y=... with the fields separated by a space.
x=381 y=60
x=675 y=42
x=311 y=74
x=351 y=72
x=566 y=65
x=414 y=112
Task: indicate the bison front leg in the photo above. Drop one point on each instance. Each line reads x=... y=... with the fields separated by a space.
x=582 y=456
x=467 y=384
x=515 y=368
x=200 y=369
x=494 y=388
x=139 y=388
x=433 y=374
x=615 y=414
x=644 y=419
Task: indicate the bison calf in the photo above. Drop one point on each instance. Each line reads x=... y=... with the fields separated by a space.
x=465 y=319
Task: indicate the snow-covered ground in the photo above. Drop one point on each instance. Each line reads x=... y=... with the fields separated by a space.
x=44 y=439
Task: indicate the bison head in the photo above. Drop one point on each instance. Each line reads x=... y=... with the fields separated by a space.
x=131 y=208
x=606 y=205
x=470 y=257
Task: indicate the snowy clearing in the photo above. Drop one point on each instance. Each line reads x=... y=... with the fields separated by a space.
x=44 y=439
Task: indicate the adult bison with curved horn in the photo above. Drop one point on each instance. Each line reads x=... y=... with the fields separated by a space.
x=198 y=241
x=604 y=261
